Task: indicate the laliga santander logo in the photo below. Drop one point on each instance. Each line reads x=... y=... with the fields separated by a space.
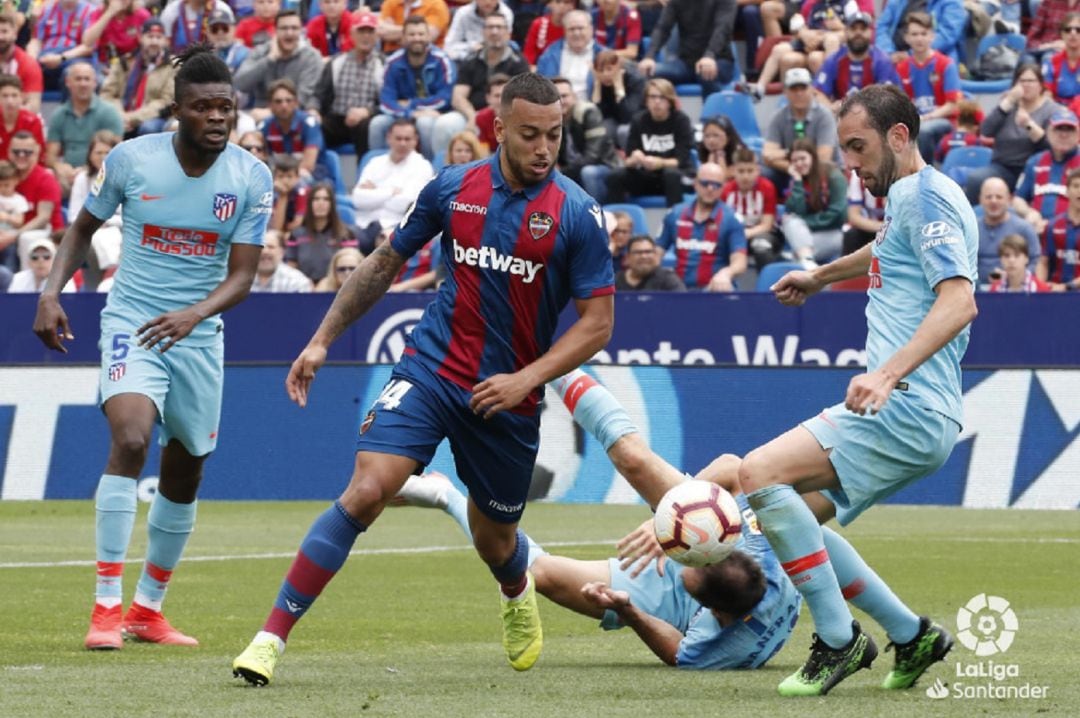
x=986 y=625
x=388 y=341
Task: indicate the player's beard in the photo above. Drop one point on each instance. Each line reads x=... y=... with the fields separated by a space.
x=885 y=175
x=521 y=172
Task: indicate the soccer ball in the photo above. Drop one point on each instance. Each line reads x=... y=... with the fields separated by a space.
x=697 y=523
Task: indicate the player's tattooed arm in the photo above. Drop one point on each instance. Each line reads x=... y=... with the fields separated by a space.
x=360 y=292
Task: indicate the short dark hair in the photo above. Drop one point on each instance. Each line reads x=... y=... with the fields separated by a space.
x=560 y=80
x=24 y=135
x=415 y=20
x=402 y=122
x=8 y=170
x=199 y=65
x=744 y=154
x=288 y=13
x=885 y=106
x=10 y=80
x=282 y=83
x=1032 y=67
x=640 y=238
x=920 y=18
x=530 y=87
x=499 y=78
x=286 y=163
x=733 y=586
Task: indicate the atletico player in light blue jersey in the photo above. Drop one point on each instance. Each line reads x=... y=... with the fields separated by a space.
x=519 y=242
x=899 y=420
x=195 y=211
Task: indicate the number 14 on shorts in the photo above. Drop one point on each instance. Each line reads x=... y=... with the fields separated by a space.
x=392 y=394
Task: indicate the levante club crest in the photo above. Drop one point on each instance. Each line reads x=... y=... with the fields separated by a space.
x=540 y=223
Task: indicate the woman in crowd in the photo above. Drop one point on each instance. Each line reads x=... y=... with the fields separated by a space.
x=344 y=263
x=719 y=140
x=312 y=245
x=816 y=206
x=465 y=147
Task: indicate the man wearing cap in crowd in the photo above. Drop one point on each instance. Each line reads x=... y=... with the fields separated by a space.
x=855 y=65
x=223 y=36
x=329 y=32
x=67 y=138
x=803 y=116
x=141 y=87
x=186 y=22
x=32 y=279
x=1041 y=191
x=349 y=87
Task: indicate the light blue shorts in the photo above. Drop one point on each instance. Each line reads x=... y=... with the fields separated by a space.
x=185 y=384
x=876 y=456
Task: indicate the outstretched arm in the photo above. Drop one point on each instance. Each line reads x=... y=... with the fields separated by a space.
x=795 y=287
x=661 y=637
x=50 y=322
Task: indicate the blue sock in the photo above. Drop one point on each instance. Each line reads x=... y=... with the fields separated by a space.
x=168 y=526
x=458 y=508
x=322 y=553
x=114 y=508
x=594 y=408
x=511 y=575
x=864 y=588
x=796 y=538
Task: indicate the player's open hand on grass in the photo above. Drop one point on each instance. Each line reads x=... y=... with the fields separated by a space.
x=302 y=373
x=51 y=323
x=869 y=392
x=793 y=288
x=638 y=548
x=500 y=392
x=604 y=596
x=165 y=330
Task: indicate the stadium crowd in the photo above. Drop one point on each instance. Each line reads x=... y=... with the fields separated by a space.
x=410 y=86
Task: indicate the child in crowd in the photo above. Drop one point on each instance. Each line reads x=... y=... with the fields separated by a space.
x=12 y=204
x=290 y=197
x=1014 y=275
x=754 y=200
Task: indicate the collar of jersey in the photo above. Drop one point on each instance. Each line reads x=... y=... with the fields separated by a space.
x=499 y=182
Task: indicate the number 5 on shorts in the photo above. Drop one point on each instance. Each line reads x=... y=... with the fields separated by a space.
x=392 y=394
x=120 y=346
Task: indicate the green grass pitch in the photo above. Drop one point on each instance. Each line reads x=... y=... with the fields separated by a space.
x=410 y=626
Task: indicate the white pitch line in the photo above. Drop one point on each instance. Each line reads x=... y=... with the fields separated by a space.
x=290 y=554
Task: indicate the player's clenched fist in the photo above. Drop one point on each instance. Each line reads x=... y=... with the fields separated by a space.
x=303 y=372
x=793 y=288
x=51 y=323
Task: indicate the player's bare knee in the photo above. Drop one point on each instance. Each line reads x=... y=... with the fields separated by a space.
x=129 y=449
x=364 y=498
x=755 y=472
x=723 y=470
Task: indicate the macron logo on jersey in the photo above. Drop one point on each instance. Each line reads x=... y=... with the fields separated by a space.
x=491 y=258
x=467 y=208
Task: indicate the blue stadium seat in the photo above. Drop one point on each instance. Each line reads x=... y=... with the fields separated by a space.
x=346 y=149
x=962 y=160
x=689 y=89
x=345 y=208
x=641 y=225
x=439 y=160
x=367 y=158
x=330 y=160
x=739 y=108
x=770 y=273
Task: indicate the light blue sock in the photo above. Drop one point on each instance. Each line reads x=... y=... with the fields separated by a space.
x=594 y=408
x=796 y=538
x=864 y=588
x=114 y=507
x=458 y=508
x=168 y=526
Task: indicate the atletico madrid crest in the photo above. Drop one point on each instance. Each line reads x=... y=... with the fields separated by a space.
x=540 y=223
x=116 y=370
x=224 y=206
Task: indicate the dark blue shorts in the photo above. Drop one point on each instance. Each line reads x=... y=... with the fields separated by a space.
x=494 y=458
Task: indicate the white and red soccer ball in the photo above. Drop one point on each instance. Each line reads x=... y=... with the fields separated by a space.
x=697 y=523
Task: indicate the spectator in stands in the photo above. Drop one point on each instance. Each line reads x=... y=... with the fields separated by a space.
x=291 y=131
x=283 y=57
x=31 y=280
x=643 y=272
x=15 y=116
x=330 y=32
x=719 y=142
x=254 y=143
x=949 y=19
x=587 y=153
x=494 y=56
x=819 y=34
x=996 y=221
x=344 y=263
x=546 y=29
x=141 y=87
x=274 y=275
x=855 y=65
x=15 y=61
x=704 y=51
x=13 y=206
x=418 y=85
x=1040 y=193
x=469 y=30
x=1058 y=262
x=222 y=29
x=107 y=239
x=1018 y=125
x=658 y=149
x=58 y=37
x=754 y=200
x=41 y=191
x=484 y=121
x=312 y=245
x=618 y=27
x=290 y=195
x=709 y=241
x=620 y=227
x=753 y=18
x=966 y=132
x=394 y=13
x=349 y=88
x=465 y=147
x=74 y=122
x=390 y=183
x=1062 y=69
x=1014 y=274
x=1044 y=33
x=572 y=56
x=115 y=30
x=257 y=29
x=931 y=80
x=816 y=207
x=187 y=22
x=619 y=91
x=803 y=117
x=865 y=215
